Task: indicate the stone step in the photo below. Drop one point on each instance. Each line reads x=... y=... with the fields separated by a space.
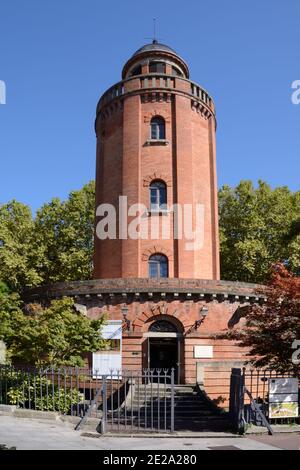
x=152 y=409
x=164 y=403
x=178 y=406
x=167 y=389
x=187 y=413
x=182 y=424
x=162 y=409
x=165 y=400
x=161 y=393
x=135 y=413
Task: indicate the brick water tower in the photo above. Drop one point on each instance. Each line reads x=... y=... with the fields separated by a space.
x=164 y=302
x=156 y=145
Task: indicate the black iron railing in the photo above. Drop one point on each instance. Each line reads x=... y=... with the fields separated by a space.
x=69 y=391
x=143 y=401
x=122 y=400
x=250 y=398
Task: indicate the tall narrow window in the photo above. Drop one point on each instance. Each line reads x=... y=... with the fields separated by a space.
x=158 y=266
x=158 y=196
x=158 y=131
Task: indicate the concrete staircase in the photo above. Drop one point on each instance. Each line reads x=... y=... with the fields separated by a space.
x=149 y=408
x=194 y=412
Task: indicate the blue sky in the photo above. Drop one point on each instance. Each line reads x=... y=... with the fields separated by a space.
x=58 y=57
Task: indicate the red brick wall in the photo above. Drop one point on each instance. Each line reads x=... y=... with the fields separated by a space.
x=126 y=165
x=214 y=372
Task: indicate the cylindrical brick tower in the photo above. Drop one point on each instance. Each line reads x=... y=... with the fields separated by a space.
x=156 y=145
x=163 y=302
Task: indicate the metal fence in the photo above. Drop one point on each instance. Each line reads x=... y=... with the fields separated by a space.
x=122 y=401
x=145 y=404
x=69 y=391
x=236 y=400
x=250 y=398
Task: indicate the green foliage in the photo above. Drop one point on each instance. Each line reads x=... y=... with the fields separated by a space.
x=269 y=330
x=11 y=315
x=258 y=226
x=55 y=335
x=19 y=260
x=40 y=393
x=57 y=245
x=64 y=231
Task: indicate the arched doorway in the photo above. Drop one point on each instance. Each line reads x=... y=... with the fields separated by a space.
x=164 y=347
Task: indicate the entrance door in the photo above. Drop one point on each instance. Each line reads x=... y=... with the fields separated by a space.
x=163 y=354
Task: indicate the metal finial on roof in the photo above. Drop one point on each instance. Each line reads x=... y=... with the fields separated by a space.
x=154 y=37
x=154 y=31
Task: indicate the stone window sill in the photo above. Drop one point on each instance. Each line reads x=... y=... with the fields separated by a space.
x=151 y=212
x=157 y=142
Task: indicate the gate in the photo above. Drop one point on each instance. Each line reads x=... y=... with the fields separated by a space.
x=236 y=400
x=138 y=401
x=250 y=398
x=123 y=401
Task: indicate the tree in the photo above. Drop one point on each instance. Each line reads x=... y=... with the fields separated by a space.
x=57 y=335
x=270 y=329
x=19 y=260
x=258 y=227
x=64 y=232
x=57 y=245
x=11 y=314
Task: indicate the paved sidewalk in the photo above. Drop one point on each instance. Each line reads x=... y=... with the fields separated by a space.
x=35 y=434
x=282 y=441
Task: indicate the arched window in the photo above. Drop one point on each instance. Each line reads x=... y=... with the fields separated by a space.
x=158 y=266
x=162 y=326
x=136 y=71
x=158 y=195
x=158 y=131
x=176 y=72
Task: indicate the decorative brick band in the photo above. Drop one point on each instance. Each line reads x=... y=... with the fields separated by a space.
x=164 y=312
x=157 y=249
x=157 y=176
x=195 y=288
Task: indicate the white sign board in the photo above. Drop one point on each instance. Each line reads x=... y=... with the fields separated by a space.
x=203 y=352
x=283 y=398
x=104 y=361
x=112 y=330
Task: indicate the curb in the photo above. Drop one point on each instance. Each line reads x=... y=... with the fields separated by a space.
x=15 y=412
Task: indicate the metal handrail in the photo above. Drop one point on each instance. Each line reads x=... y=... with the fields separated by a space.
x=88 y=411
x=258 y=410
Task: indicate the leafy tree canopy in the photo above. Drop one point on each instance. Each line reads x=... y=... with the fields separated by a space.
x=19 y=261
x=269 y=330
x=258 y=227
x=54 y=335
x=65 y=230
x=57 y=245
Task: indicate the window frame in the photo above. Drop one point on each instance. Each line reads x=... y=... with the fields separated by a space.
x=158 y=128
x=158 y=196
x=156 y=65
x=160 y=265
